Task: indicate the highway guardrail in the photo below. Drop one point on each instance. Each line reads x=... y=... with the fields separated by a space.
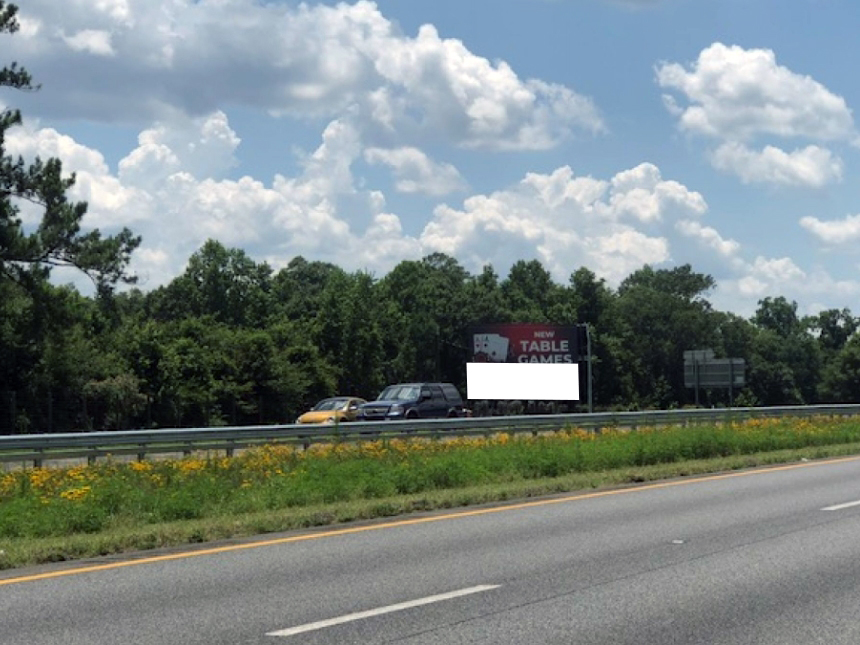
x=36 y=449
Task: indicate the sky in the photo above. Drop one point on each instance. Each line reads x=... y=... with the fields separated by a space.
x=606 y=134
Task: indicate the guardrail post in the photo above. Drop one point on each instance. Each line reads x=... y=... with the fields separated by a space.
x=37 y=462
x=91 y=459
x=186 y=451
x=141 y=456
x=231 y=447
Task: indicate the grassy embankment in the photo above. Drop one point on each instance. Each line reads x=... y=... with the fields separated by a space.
x=59 y=514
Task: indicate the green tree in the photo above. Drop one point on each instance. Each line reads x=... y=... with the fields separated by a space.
x=660 y=315
x=297 y=288
x=113 y=402
x=594 y=304
x=592 y=297
x=347 y=331
x=841 y=381
x=26 y=257
x=530 y=292
x=362 y=359
x=779 y=316
x=303 y=375
x=785 y=366
x=485 y=301
x=736 y=338
x=770 y=376
x=50 y=347
x=425 y=315
x=146 y=346
x=219 y=282
x=834 y=327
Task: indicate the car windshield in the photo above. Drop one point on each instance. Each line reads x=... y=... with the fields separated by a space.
x=399 y=393
x=330 y=404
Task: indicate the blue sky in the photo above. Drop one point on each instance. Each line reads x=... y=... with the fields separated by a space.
x=597 y=133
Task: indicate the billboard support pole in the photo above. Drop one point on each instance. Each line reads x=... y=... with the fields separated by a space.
x=437 y=371
x=696 y=372
x=588 y=350
x=731 y=382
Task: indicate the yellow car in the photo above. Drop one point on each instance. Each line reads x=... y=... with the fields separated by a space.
x=335 y=410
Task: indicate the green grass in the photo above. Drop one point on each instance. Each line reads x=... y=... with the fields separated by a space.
x=61 y=514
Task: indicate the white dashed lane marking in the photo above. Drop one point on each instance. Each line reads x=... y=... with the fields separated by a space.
x=322 y=624
x=839 y=507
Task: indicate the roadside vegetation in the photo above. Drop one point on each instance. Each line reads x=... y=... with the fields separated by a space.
x=65 y=513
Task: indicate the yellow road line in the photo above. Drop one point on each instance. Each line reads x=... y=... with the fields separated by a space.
x=413 y=521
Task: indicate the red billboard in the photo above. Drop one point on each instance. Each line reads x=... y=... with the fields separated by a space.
x=525 y=343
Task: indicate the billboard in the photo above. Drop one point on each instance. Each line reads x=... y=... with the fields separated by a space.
x=532 y=361
x=525 y=343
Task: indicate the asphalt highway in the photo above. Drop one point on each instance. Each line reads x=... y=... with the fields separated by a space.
x=767 y=557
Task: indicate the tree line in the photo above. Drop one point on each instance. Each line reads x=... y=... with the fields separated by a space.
x=231 y=341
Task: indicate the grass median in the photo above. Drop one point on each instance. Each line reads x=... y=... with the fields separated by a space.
x=55 y=514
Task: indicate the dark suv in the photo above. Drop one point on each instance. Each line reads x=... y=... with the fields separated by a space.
x=414 y=401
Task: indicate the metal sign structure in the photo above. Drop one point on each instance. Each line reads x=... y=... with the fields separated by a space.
x=698 y=355
x=703 y=371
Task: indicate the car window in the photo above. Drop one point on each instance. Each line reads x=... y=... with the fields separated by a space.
x=452 y=394
x=399 y=393
x=437 y=393
x=329 y=404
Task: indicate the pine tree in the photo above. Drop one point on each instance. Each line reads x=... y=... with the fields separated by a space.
x=27 y=257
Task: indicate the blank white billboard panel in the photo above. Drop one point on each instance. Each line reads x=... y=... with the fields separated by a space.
x=528 y=381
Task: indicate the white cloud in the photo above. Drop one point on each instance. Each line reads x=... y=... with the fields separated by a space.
x=752 y=287
x=811 y=166
x=772 y=277
x=777 y=270
x=842 y=231
x=479 y=104
x=204 y=147
x=153 y=266
x=567 y=221
x=416 y=172
x=560 y=187
x=613 y=226
x=708 y=236
x=28 y=27
x=642 y=193
x=309 y=60
x=117 y=10
x=110 y=202
x=93 y=41
x=738 y=94
x=167 y=190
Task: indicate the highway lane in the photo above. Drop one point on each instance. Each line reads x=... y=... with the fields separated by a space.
x=747 y=558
